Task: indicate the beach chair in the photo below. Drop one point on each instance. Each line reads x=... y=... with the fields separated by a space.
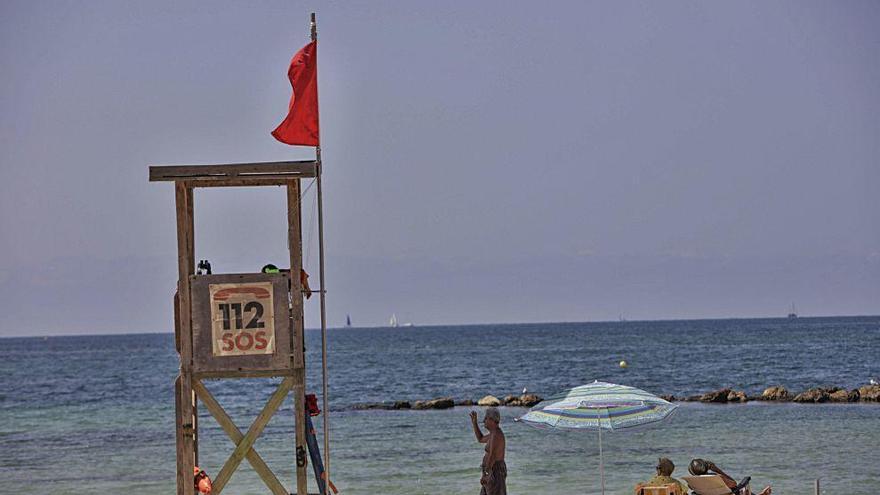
x=659 y=490
x=712 y=484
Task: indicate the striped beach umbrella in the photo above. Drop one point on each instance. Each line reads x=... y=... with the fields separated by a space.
x=599 y=406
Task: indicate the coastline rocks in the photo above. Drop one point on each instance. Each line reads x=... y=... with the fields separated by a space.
x=844 y=396
x=869 y=393
x=525 y=400
x=735 y=396
x=719 y=396
x=776 y=393
x=814 y=395
x=510 y=400
x=724 y=396
x=439 y=403
x=388 y=406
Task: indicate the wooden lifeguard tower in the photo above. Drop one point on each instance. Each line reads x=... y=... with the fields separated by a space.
x=231 y=326
x=250 y=325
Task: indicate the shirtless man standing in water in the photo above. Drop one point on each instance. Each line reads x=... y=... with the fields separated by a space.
x=493 y=471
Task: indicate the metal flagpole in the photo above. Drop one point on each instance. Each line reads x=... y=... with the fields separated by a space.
x=601 y=461
x=322 y=293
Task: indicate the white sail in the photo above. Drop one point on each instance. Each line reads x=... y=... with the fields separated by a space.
x=393 y=321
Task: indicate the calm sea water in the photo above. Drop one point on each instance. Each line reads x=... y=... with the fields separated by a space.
x=94 y=414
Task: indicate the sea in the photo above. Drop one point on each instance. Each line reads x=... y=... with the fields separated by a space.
x=94 y=414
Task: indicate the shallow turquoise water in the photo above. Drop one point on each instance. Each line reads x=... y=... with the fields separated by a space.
x=95 y=414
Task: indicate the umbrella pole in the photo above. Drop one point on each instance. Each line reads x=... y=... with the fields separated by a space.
x=601 y=461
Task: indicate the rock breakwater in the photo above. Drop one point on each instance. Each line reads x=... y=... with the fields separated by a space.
x=778 y=393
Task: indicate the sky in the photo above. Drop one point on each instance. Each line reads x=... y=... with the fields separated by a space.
x=484 y=162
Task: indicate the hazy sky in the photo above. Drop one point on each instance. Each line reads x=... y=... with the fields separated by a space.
x=484 y=161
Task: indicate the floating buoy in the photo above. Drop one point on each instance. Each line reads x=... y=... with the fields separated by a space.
x=623 y=364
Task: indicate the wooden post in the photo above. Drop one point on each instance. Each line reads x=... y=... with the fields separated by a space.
x=184 y=413
x=294 y=240
x=817 y=486
x=191 y=269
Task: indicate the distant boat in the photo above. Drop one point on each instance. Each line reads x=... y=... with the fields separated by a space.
x=394 y=323
x=792 y=313
x=348 y=321
x=621 y=318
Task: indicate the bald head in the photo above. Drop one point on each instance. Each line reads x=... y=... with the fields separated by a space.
x=493 y=414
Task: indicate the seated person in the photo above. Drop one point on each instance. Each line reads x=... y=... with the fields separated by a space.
x=665 y=467
x=699 y=467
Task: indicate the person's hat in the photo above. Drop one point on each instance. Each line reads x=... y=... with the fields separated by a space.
x=664 y=465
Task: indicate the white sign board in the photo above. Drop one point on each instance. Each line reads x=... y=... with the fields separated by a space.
x=242 y=319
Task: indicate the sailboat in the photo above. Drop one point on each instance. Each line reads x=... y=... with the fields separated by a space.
x=348 y=321
x=393 y=322
x=792 y=313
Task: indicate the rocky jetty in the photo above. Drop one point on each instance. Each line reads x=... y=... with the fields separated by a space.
x=721 y=396
x=777 y=393
x=716 y=396
x=869 y=393
x=843 y=395
x=400 y=404
x=525 y=400
x=439 y=403
x=737 y=396
x=814 y=395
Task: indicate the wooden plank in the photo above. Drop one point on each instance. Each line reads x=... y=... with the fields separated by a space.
x=211 y=375
x=195 y=423
x=236 y=435
x=185 y=263
x=284 y=170
x=191 y=268
x=253 y=433
x=294 y=242
x=184 y=416
x=240 y=182
x=176 y=322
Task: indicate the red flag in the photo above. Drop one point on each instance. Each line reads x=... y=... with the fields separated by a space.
x=301 y=125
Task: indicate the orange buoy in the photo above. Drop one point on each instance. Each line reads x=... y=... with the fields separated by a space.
x=202 y=481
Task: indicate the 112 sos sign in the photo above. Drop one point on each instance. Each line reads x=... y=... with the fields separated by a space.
x=242 y=319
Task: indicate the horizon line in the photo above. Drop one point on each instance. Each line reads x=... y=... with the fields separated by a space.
x=661 y=320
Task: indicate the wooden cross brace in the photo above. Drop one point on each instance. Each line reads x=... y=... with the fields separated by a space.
x=244 y=443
